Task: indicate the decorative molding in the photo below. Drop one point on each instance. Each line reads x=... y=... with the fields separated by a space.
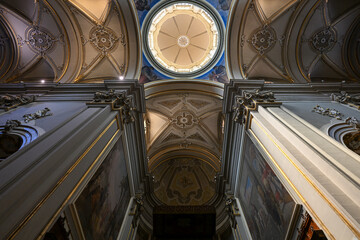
x=352 y=121
x=250 y=101
x=328 y=112
x=345 y=98
x=185 y=119
x=263 y=39
x=8 y=101
x=39 y=114
x=118 y=101
x=10 y=125
x=104 y=39
x=323 y=40
x=136 y=209
x=40 y=40
x=232 y=209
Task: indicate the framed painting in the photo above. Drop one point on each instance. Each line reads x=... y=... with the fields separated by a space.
x=102 y=205
x=267 y=205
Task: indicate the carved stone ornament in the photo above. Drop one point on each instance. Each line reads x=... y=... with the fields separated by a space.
x=345 y=98
x=232 y=210
x=120 y=101
x=249 y=101
x=328 y=112
x=10 y=125
x=136 y=209
x=184 y=119
x=263 y=39
x=9 y=101
x=323 y=40
x=40 y=39
x=352 y=121
x=103 y=38
x=39 y=114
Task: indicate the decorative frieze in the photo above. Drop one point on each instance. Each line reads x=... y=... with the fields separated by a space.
x=328 y=112
x=345 y=98
x=38 y=114
x=250 y=101
x=9 y=101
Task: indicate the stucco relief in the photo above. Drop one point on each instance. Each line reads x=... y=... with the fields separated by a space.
x=263 y=39
x=323 y=40
x=188 y=181
x=103 y=38
x=40 y=39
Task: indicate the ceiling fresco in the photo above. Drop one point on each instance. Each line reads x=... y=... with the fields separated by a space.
x=216 y=73
x=184 y=181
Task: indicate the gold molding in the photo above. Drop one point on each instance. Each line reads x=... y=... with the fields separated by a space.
x=62 y=179
x=342 y=217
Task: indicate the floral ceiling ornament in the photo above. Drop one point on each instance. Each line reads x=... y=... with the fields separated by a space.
x=263 y=39
x=184 y=119
x=40 y=39
x=103 y=38
x=323 y=40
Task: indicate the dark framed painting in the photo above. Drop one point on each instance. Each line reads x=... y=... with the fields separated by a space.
x=102 y=205
x=267 y=205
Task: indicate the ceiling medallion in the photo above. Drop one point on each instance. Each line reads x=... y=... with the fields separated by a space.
x=323 y=40
x=184 y=119
x=103 y=38
x=40 y=39
x=263 y=39
x=182 y=39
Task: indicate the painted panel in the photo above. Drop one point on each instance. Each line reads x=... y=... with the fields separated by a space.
x=267 y=205
x=102 y=204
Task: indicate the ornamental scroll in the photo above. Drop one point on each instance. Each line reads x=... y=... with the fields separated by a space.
x=250 y=101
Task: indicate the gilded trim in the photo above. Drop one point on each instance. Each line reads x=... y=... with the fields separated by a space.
x=343 y=218
x=77 y=186
x=62 y=179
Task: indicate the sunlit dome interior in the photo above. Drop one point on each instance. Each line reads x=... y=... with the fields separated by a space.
x=183 y=39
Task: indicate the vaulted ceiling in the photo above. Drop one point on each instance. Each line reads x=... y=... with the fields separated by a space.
x=68 y=41
x=88 y=41
x=184 y=139
x=294 y=41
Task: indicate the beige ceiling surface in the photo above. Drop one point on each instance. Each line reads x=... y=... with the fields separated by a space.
x=183 y=37
x=294 y=41
x=184 y=138
x=95 y=9
x=183 y=40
